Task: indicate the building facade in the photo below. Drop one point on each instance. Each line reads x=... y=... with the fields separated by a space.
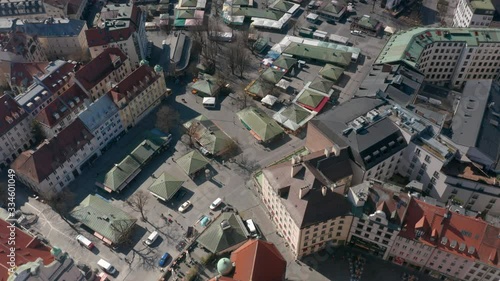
x=51 y=166
x=473 y=13
x=139 y=93
x=126 y=31
x=61 y=112
x=305 y=200
x=446 y=244
x=102 y=119
x=21 y=47
x=379 y=211
x=97 y=76
x=15 y=131
x=444 y=57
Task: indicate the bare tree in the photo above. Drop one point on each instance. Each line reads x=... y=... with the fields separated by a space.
x=138 y=202
x=192 y=133
x=237 y=56
x=62 y=202
x=123 y=230
x=167 y=118
x=243 y=61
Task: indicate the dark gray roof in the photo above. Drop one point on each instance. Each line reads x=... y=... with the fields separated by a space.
x=369 y=145
x=314 y=207
x=468 y=117
x=395 y=82
x=489 y=136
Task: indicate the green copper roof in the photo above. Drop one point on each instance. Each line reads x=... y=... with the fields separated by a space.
x=260 y=123
x=217 y=239
x=224 y=266
x=192 y=162
x=331 y=72
x=209 y=135
x=323 y=54
x=408 y=45
x=165 y=186
x=272 y=75
x=103 y=218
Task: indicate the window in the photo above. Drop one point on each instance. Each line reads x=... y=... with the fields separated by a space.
x=436 y=175
x=427 y=159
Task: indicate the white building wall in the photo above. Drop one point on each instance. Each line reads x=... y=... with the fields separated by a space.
x=482 y=272
x=448 y=264
x=109 y=130
x=411 y=252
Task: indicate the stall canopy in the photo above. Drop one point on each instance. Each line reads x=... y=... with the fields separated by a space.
x=192 y=162
x=331 y=72
x=269 y=100
x=390 y=30
x=208 y=101
x=272 y=75
x=293 y=117
x=165 y=186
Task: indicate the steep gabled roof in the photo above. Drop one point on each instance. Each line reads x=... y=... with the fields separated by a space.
x=258 y=260
x=62 y=106
x=40 y=163
x=99 y=67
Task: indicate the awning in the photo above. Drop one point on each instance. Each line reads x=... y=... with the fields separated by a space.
x=254 y=134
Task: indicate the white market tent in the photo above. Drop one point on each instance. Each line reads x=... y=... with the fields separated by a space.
x=390 y=30
x=209 y=101
x=269 y=100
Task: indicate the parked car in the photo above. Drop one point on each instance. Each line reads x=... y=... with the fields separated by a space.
x=184 y=206
x=152 y=238
x=215 y=204
x=356 y=32
x=84 y=241
x=106 y=266
x=163 y=260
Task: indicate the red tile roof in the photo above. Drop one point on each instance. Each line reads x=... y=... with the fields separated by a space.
x=99 y=68
x=56 y=80
x=463 y=230
x=9 y=110
x=40 y=163
x=258 y=260
x=22 y=73
x=62 y=106
x=133 y=79
x=28 y=249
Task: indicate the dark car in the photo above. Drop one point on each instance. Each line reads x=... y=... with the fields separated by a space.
x=163 y=260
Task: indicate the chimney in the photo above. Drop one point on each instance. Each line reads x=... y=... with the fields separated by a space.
x=327 y=152
x=303 y=191
x=296 y=167
x=323 y=190
x=335 y=150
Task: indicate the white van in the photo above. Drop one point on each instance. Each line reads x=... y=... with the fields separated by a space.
x=251 y=226
x=151 y=238
x=106 y=266
x=215 y=204
x=85 y=242
x=209 y=102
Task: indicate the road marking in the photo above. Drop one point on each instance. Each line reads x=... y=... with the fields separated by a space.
x=48 y=222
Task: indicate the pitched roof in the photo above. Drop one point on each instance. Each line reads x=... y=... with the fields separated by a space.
x=28 y=249
x=285 y=62
x=62 y=106
x=209 y=135
x=10 y=114
x=260 y=123
x=479 y=239
x=192 y=162
x=208 y=85
x=324 y=54
x=134 y=84
x=99 y=67
x=165 y=186
x=310 y=98
x=117 y=176
x=331 y=72
x=98 y=112
x=258 y=260
x=293 y=116
x=272 y=75
x=216 y=239
x=40 y=163
x=313 y=207
x=103 y=218
x=21 y=74
x=321 y=85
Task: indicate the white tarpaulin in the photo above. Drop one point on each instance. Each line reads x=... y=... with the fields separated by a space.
x=269 y=100
x=209 y=101
x=390 y=30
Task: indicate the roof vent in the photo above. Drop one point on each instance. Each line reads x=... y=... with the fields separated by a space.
x=462 y=247
x=56 y=116
x=225 y=225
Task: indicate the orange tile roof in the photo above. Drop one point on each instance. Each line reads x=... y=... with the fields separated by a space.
x=258 y=260
x=22 y=73
x=28 y=249
x=462 y=230
x=99 y=68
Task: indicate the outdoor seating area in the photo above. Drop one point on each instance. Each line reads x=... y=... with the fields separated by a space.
x=356 y=266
